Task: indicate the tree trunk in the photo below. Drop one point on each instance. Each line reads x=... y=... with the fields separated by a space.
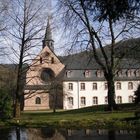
x=17 y=109
x=111 y=95
x=111 y=92
x=54 y=103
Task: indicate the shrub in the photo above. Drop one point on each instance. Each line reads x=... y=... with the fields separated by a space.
x=5 y=104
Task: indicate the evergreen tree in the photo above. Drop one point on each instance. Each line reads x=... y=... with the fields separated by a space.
x=137 y=95
x=5 y=104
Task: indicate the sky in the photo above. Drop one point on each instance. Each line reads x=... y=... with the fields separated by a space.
x=7 y=43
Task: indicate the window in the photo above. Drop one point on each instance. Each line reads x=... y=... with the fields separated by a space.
x=82 y=86
x=95 y=100
x=52 y=60
x=47 y=75
x=40 y=60
x=70 y=100
x=129 y=73
x=137 y=73
x=94 y=86
x=83 y=101
x=130 y=99
x=105 y=86
x=106 y=100
x=119 y=73
x=99 y=73
x=119 y=99
x=118 y=86
x=70 y=86
x=130 y=85
x=69 y=73
x=37 y=100
x=87 y=73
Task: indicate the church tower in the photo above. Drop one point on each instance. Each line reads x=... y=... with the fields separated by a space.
x=45 y=71
x=48 y=41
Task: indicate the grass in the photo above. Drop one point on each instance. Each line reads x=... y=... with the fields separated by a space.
x=84 y=117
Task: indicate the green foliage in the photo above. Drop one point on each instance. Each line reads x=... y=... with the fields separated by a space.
x=113 y=9
x=5 y=104
x=137 y=95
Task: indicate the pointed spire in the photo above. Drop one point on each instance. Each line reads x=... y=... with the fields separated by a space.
x=48 y=41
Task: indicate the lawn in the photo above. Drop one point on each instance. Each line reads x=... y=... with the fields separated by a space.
x=94 y=116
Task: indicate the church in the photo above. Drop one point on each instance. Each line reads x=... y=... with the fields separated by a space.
x=74 y=81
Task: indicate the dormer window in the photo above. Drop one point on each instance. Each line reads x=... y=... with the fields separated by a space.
x=137 y=73
x=69 y=73
x=129 y=73
x=99 y=73
x=119 y=73
x=87 y=73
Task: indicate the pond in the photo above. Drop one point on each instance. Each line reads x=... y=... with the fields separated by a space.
x=47 y=133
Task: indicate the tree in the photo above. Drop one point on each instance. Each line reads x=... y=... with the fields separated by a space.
x=5 y=103
x=26 y=22
x=55 y=92
x=99 y=22
x=7 y=89
x=137 y=95
x=4 y=8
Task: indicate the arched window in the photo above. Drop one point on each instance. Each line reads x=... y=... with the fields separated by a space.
x=70 y=100
x=130 y=85
x=119 y=99
x=38 y=100
x=118 y=86
x=130 y=99
x=83 y=101
x=95 y=100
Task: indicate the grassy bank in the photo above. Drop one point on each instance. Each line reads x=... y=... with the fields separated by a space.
x=81 y=118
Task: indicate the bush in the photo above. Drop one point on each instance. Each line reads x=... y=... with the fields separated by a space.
x=5 y=104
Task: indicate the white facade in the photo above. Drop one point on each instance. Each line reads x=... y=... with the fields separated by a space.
x=95 y=93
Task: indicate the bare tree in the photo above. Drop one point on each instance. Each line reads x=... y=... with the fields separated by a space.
x=96 y=24
x=25 y=34
x=4 y=7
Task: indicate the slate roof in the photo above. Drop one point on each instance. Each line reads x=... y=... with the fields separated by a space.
x=80 y=62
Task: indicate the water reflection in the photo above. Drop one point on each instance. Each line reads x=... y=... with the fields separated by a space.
x=47 y=133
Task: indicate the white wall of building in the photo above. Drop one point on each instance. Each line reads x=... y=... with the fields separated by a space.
x=89 y=93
